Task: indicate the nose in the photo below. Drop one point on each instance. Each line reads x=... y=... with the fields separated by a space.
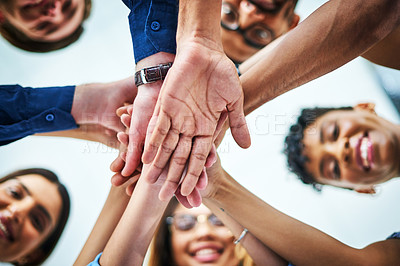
x=20 y=210
x=249 y=14
x=204 y=230
x=53 y=11
x=340 y=150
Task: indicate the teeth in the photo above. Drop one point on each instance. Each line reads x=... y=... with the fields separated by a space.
x=206 y=251
x=4 y=229
x=364 y=152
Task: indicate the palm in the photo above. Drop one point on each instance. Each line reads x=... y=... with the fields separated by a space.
x=201 y=85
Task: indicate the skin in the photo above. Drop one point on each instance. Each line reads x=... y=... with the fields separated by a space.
x=234 y=43
x=49 y=20
x=203 y=236
x=26 y=214
x=341 y=131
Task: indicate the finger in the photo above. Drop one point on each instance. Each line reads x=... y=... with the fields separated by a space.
x=183 y=200
x=203 y=180
x=130 y=109
x=131 y=184
x=198 y=156
x=122 y=110
x=126 y=120
x=157 y=137
x=162 y=157
x=176 y=167
x=212 y=157
x=118 y=164
x=137 y=133
x=237 y=123
x=123 y=138
x=221 y=122
x=194 y=198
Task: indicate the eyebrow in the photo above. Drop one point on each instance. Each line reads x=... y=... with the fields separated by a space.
x=321 y=167
x=321 y=134
x=39 y=206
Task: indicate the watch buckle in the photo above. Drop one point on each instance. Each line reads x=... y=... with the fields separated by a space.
x=143 y=76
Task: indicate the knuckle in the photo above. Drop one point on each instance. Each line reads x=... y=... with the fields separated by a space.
x=181 y=161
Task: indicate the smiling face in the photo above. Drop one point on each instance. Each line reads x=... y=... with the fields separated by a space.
x=204 y=244
x=27 y=216
x=352 y=149
x=260 y=21
x=44 y=20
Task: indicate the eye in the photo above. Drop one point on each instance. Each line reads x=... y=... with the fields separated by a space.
x=15 y=192
x=66 y=6
x=37 y=221
x=185 y=222
x=214 y=220
x=335 y=132
x=336 y=170
x=42 y=26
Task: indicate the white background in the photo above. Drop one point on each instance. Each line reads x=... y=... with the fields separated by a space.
x=104 y=53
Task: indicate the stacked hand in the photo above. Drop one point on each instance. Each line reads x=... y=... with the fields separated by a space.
x=201 y=89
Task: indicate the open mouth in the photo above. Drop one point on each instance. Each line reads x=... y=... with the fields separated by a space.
x=5 y=229
x=207 y=255
x=364 y=152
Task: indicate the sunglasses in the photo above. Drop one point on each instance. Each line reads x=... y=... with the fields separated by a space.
x=186 y=222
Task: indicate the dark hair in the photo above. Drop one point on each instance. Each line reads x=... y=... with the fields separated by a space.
x=294 y=146
x=45 y=249
x=20 y=40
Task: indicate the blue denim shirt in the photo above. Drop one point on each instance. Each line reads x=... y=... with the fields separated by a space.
x=153 y=26
x=26 y=111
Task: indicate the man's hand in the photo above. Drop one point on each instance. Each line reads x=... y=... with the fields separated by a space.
x=96 y=103
x=200 y=86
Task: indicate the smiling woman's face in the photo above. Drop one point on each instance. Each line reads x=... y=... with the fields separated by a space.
x=352 y=149
x=207 y=242
x=29 y=209
x=45 y=20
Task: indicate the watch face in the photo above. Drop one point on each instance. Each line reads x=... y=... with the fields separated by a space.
x=153 y=74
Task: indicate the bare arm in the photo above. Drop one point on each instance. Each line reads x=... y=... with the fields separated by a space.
x=108 y=219
x=289 y=238
x=260 y=253
x=387 y=51
x=333 y=35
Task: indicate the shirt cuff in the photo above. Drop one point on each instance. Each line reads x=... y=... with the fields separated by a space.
x=29 y=111
x=153 y=27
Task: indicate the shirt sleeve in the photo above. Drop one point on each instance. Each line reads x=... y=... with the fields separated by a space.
x=153 y=26
x=96 y=261
x=26 y=111
x=394 y=236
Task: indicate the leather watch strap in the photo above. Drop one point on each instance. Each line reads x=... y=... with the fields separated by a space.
x=152 y=74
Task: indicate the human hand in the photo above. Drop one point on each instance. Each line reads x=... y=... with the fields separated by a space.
x=143 y=108
x=188 y=115
x=192 y=200
x=96 y=103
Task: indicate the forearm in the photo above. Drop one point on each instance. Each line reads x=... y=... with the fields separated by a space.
x=289 y=238
x=200 y=21
x=333 y=35
x=260 y=253
x=108 y=219
x=130 y=240
x=89 y=132
x=386 y=52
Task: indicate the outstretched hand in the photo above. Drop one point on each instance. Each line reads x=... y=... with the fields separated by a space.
x=200 y=88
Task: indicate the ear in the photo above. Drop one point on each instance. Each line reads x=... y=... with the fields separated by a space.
x=368 y=190
x=295 y=21
x=370 y=107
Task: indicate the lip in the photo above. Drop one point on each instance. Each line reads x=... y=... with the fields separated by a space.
x=207 y=253
x=6 y=228
x=370 y=152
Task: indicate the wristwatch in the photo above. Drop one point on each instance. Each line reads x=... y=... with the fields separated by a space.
x=152 y=74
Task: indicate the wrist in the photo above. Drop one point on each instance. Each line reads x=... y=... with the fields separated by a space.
x=155 y=59
x=199 y=20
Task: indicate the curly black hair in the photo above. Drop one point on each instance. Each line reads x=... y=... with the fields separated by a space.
x=293 y=147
